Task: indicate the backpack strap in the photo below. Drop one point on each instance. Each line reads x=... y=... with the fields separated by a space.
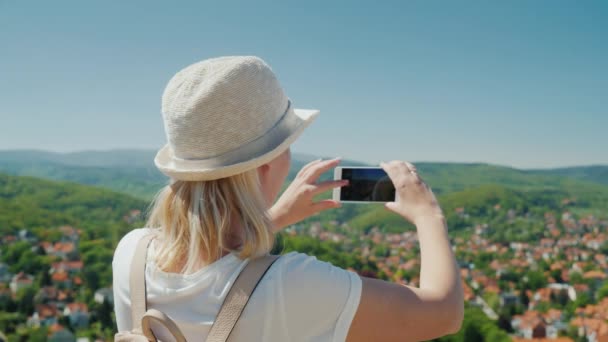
x=137 y=282
x=229 y=313
x=166 y=321
x=238 y=296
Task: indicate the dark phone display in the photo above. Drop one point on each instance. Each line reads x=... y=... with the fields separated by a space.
x=370 y=185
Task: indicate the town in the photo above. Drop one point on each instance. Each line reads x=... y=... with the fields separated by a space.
x=552 y=288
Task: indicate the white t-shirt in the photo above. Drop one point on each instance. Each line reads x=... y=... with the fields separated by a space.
x=299 y=299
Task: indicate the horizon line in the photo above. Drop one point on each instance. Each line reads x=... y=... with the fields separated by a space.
x=310 y=155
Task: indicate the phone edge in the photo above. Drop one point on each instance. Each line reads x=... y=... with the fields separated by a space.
x=337 y=176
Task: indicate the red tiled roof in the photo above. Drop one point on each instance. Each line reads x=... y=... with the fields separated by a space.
x=60 y=276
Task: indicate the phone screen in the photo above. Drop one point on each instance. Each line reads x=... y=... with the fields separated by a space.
x=367 y=184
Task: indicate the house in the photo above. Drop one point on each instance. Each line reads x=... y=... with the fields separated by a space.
x=71 y=267
x=58 y=333
x=70 y=234
x=591 y=328
x=20 y=281
x=61 y=279
x=557 y=339
x=469 y=295
x=530 y=325
x=596 y=277
x=132 y=216
x=26 y=235
x=53 y=295
x=44 y=315
x=508 y=299
x=539 y=330
x=64 y=250
x=103 y=295
x=47 y=294
x=559 y=288
x=78 y=314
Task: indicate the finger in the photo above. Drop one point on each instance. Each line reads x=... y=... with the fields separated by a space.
x=411 y=166
x=316 y=170
x=415 y=177
x=394 y=170
x=328 y=185
x=307 y=166
x=324 y=205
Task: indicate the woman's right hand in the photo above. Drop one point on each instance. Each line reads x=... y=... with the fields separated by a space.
x=415 y=199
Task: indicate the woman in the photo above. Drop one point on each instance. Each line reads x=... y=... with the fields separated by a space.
x=229 y=127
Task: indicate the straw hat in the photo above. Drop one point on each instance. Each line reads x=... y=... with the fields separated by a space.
x=224 y=116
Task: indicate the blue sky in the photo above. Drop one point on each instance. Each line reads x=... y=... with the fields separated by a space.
x=520 y=83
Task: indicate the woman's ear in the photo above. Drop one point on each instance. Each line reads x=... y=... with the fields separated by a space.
x=263 y=172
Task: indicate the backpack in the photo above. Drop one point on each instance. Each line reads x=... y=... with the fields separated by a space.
x=226 y=319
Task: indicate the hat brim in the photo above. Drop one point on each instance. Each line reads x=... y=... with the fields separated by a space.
x=256 y=153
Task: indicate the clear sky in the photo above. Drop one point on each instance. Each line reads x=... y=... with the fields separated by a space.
x=520 y=83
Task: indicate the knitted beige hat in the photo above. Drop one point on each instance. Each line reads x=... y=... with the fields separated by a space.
x=224 y=116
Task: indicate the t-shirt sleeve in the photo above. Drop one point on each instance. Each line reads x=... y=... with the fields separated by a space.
x=320 y=300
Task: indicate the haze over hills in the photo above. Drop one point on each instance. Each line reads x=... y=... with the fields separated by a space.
x=592 y=173
x=133 y=172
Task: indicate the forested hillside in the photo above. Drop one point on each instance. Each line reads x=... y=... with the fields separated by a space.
x=133 y=172
x=516 y=234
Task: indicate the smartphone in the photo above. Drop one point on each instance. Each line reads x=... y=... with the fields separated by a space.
x=365 y=185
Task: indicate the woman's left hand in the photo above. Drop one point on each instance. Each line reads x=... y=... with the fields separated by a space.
x=296 y=202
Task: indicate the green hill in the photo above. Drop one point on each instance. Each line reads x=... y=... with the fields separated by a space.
x=130 y=172
x=133 y=172
x=138 y=181
x=488 y=202
x=593 y=173
x=38 y=205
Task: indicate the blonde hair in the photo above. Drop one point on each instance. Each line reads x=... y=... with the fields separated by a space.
x=199 y=220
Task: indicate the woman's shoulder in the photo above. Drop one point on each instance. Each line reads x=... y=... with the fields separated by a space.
x=305 y=270
x=295 y=261
x=317 y=292
x=126 y=245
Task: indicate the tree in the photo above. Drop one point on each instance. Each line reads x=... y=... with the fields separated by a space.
x=25 y=300
x=536 y=280
x=477 y=327
x=523 y=297
x=603 y=291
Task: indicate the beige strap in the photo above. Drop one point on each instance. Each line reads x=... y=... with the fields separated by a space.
x=137 y=282
x=229 y=313
x=160 y=317
x=238 y=296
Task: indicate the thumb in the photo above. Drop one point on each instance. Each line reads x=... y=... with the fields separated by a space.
x=324 y=205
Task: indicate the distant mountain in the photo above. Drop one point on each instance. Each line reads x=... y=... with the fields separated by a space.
x=593 y=173
x=133 y=172
x=129 y=171
x=109 y=158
